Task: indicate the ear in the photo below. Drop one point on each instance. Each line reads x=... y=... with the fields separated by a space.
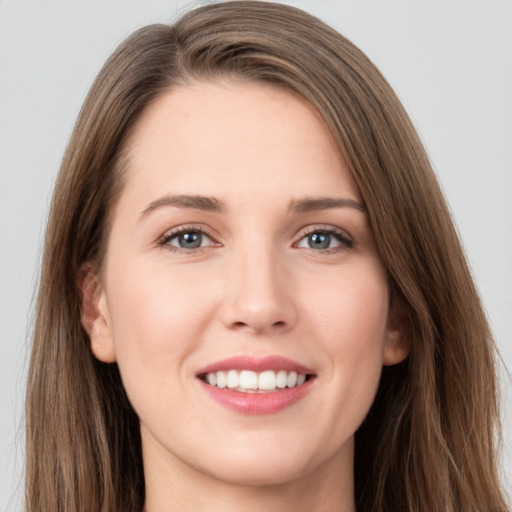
x=95 y=314
x=397 y=345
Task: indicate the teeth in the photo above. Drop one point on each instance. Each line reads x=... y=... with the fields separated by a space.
x=247 y=380
x=267 y=380
x=281 y=379
x=221 y=379
x=232 y=380
x=292 y=379
x=211 y=378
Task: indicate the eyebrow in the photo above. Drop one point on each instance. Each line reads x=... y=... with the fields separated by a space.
x=204 y=203
x=311 y=204
x=212 y=204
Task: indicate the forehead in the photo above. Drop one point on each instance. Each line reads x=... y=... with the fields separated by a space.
x=209 y=137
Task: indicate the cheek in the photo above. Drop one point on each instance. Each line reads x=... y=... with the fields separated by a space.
x=352 y=312
x=158 y=320
x=352 y=317
x=158 y=315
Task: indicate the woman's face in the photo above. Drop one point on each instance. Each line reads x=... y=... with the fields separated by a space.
x=242 y=295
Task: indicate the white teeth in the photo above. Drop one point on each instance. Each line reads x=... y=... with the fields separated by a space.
x=267 y=380
x=221 y=380
x=292 y=379
x=212 y=379
x=281 y=379
x=247 y=380
x=233 y=381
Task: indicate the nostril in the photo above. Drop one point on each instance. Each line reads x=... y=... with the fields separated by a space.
x=275 y=325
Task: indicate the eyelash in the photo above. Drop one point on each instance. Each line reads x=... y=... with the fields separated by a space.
x=167 y=237
x=346 y=242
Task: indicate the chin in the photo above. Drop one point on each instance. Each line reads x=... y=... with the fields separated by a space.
x=267 y=465
x=262 y=473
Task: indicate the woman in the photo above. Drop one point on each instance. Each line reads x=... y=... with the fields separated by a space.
x=252 y=292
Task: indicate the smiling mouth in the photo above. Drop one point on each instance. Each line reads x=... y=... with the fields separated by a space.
x=248 y=381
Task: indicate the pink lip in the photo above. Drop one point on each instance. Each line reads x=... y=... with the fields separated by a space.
x=256 y=365
x=256 y=403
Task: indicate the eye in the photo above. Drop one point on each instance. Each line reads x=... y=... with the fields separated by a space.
x=186 y=239
x=325 y=239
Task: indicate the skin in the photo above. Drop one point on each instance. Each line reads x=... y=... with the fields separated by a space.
x=254 y=287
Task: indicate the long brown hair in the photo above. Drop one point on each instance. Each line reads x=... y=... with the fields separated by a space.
x=428 y=443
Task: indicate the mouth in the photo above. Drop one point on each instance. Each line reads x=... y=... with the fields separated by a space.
x=249 y=381
x=249 y=385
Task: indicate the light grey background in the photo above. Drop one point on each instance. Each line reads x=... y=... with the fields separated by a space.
x=449 y=61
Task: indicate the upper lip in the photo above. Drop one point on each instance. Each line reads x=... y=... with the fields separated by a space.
x=256 y=364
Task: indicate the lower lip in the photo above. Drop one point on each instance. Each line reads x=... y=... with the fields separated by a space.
x=257 y=403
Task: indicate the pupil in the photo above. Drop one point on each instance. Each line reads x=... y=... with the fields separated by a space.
x=190 y=240
x=319 y=241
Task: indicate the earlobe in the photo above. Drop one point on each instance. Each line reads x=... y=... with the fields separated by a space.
x=397 y=345
x=95 y=315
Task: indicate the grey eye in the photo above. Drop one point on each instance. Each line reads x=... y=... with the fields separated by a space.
x=189 y=240
x=319 y=240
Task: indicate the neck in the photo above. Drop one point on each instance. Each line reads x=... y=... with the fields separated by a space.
x=172 y=485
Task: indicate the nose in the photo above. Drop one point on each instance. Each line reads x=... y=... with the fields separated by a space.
x=259 y=295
